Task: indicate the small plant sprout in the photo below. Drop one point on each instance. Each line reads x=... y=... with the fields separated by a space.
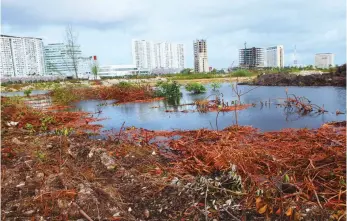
x=215 y=86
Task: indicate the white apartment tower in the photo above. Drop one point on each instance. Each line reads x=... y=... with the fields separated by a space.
x=58 y=61
x=275 y=56
x=324 y=60
x=21 y=56
x=157 y=55
x=200 y=56
x=142 y=54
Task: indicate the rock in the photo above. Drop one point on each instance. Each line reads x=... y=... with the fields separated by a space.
x=85 y=195
x=72 y=152
x=16 y=141
x=146 y=213
x=108 y=161
x=40 y=175
x=29 y=212
x=175 y=181
x=21 y=184
x=12 y=123
x=117 y=214
x=63 y=204
x=54 y=181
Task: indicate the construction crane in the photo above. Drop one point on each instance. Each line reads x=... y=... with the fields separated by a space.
x=231 y=67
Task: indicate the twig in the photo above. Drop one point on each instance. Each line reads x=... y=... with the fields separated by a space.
x=206 y=214
x=217 y=119
x=82 y=212
x=232 y=216
x=120 y=131
x=315 y=193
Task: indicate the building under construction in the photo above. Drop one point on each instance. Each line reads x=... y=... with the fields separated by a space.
x=251 y=57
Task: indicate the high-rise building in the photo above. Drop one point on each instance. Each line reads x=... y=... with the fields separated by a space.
x=251 y=57
x=200 y=56
x=275 y=56
x=21 y=56
x=142 y=54
x=324 y=60
x=58 y=60
x=157 y=55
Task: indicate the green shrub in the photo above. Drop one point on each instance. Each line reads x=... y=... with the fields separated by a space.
x=63 y=95
x=124 y=84
x=241 y=73
x=195 y=87
x=170 y=90
x=27 y=92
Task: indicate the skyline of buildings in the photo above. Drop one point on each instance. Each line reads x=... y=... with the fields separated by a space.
x=26 y=56
x=200 y=56
x=324 y=60
x=21 y=56
x=158 y=55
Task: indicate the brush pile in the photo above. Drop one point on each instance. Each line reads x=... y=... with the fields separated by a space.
x=121 y=93
x=290 y=173
x=234 y=174
x=204 y=106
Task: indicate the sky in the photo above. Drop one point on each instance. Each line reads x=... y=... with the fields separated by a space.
x=106 y=27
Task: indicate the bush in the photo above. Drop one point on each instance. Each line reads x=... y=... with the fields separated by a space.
x=168 y=89
x=241 y=73
x=195 y=87
x=215 y=85
x=27 y=92
x=124 y=84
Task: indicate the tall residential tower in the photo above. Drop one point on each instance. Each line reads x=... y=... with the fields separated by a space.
x=21 y=56
x=275 y=56
x=157 y=55
x=200 y=56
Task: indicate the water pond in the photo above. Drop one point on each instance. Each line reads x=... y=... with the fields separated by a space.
x=267 y=118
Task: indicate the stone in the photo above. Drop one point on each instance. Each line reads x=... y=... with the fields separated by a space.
x=108 y=161
x=16 y=141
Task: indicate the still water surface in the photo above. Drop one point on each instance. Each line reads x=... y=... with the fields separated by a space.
x=266 y=118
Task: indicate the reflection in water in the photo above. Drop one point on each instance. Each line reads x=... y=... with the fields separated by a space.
x=265 y=117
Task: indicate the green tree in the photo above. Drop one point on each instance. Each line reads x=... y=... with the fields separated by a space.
x=186 y=71
x=95 y=70
x=195 y=87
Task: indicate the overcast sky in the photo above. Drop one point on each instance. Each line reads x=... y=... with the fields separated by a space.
x=106 y=27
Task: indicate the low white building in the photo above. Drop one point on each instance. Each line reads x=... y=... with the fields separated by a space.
x=324 y=60
x=120 y=70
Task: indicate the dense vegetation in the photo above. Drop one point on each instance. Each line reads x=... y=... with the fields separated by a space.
x=170 y=90
x=195 y=87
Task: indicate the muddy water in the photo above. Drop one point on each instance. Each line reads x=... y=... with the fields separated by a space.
x=267 y=118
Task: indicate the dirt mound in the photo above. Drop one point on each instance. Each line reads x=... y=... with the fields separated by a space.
x=337 y=78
